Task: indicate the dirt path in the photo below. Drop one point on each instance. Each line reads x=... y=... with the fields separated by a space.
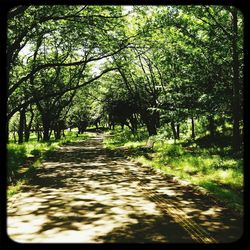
x=86 y=194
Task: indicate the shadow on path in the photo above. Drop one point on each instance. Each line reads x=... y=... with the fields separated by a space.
x=83 y=193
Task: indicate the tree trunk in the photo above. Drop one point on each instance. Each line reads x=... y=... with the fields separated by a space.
x=236 y=88
x=46 y=130
x=151 y=128
x=174 y=130
x=46 y=134
x=150 y=120
x=211 y=126
x=38 y=136
x=57 y=133
x=22 y=122
x=79 y=130
x=178 y=131
x=28 y=127
x=157 y=119
x=193 y=131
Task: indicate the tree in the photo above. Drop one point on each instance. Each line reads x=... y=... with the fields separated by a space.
x=56 y=34
x=162 y=64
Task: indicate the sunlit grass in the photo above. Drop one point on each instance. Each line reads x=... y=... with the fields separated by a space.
x=13 y=189
x=225 y=182
x=134 y=144
x=119 y=137
x=214 y=168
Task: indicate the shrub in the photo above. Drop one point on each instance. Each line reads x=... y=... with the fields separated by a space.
x=36 y=152
x=171 y=150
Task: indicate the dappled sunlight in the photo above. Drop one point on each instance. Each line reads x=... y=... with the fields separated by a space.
x=184 y=201
x=84 y=194
x=51 y=216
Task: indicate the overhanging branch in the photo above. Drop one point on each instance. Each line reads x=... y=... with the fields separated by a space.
x=60 y=93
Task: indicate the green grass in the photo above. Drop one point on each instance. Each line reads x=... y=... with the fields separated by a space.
x=212 y=167
x=23 y=159
x=13 y=189
x=119 y=137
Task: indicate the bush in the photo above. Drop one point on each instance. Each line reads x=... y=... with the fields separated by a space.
x=168 y=152
x=172 y=150
x=36 y=152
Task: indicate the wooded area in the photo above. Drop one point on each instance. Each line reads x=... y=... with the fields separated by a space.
x=73 y=66
x=126 y=91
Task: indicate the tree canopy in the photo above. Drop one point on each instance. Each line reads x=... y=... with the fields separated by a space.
x=133 y=65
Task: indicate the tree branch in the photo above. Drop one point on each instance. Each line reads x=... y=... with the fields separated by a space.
x=62 y=92
x=218 y=24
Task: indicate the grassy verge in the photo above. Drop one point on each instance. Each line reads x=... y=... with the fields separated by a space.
x=214 y=168
x=24 y=159
x=118 y=137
